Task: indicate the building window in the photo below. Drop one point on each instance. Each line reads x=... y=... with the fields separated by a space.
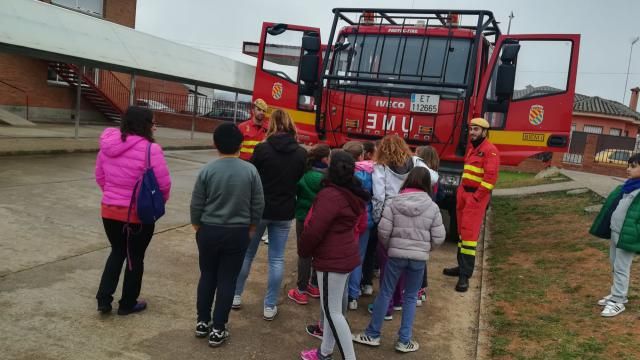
x=615 y=132
x=91 y=7
x=592 y=129
x=573 y=127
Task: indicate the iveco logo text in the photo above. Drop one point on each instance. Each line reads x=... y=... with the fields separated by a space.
x=390 y=104
x=405 y=31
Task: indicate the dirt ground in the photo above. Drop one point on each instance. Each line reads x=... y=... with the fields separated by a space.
x=52 y=250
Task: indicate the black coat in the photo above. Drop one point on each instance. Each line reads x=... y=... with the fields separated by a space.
x=280 y=161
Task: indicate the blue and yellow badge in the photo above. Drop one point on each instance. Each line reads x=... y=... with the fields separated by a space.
x=276 y=90
x=536 y=114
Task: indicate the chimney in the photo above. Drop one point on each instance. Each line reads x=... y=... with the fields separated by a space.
x=633 y=102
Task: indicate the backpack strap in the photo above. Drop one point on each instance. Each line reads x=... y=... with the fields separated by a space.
x=148 y=159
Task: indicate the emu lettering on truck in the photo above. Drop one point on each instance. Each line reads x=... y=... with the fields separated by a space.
x=421 y=74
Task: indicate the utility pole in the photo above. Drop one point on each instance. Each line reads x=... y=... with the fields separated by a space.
x=633 y=42
x=511 y=16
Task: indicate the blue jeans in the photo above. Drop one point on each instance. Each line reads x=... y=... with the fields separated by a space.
x=414 y=270
x=278 y=235
x=356 y=275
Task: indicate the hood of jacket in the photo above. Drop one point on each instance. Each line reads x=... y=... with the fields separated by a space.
x=404 y=168
x=366 y=166
x=283 y=142
x=112 y=145
x=355 y=202
x=413 y=203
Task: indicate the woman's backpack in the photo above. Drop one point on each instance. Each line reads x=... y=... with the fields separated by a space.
x=148 y=198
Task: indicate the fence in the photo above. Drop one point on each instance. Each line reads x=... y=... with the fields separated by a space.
x=184 y=104
x=598 y=153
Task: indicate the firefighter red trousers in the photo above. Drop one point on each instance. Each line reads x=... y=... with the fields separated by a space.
x=470 y=215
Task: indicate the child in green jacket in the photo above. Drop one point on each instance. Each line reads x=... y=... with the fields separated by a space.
x=617 y=220
x=307 y=188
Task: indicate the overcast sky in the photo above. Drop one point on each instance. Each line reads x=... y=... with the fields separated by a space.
x=607 y=27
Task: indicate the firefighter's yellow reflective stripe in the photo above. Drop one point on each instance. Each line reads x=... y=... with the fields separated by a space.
x=523 y=138
x=487 y=185
x=467 y=252
x=474 y=169
x=247 y=150
x=472 y=177
x=250 y=143
x=469 y=243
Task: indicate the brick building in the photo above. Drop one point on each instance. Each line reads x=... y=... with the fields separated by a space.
x=40 y=89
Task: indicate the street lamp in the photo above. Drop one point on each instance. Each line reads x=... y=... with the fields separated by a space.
x=633 y=42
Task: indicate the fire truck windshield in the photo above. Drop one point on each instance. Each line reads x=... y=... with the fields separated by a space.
x=429 y=60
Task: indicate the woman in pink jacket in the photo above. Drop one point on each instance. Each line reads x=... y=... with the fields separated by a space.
x=120 y=164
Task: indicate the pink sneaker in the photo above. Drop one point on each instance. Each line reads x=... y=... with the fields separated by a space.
x=313 y=354
x=298 y=297
x=313 y=291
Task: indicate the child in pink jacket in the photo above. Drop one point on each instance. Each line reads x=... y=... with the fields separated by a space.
x=119 y=165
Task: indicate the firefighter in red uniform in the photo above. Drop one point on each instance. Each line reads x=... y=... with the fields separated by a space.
x=478 y=179
x=254 y=129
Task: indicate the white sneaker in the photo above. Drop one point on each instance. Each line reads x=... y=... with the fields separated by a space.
x=612 y=309
x=237 y=302
x=606 y=299
x=353 y=304
x=419 y=302
x=408 y=347
x=265 y=238
x=397 y=308
x=367 y=290
x=270 y=313
x=363 y=338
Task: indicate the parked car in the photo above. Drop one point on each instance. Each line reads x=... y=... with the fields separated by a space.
x=227 y=114
x=613 y=156
x=154 y=105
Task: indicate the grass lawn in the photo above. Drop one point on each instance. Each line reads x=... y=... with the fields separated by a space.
x=546 y=274
x=514 y=179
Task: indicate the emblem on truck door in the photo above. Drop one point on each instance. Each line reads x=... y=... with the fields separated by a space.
x=276 y=91
x=536 y=114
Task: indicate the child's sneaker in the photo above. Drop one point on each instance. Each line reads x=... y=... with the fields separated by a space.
x=422 y=297
x=397 y=307
x=314 y=354
x=265 y=238
x=612 y=309
x=237 y=302
x=313 y=291
x=408 y=347
x=217 y=337
x=270 y=313
x=387 y=316
x=606 y=299
x=353 y=304
x=298 y=297
x=365 y=339
x=367 y=290
x=202 y=329
x=314 y=330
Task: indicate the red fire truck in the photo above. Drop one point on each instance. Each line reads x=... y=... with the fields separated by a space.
x=421 y=74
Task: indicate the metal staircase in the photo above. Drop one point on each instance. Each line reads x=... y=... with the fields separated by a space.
x=100 y=87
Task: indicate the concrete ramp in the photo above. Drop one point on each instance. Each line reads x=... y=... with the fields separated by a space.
x=13 y=119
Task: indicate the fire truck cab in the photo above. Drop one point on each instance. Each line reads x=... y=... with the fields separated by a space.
x=421 y=74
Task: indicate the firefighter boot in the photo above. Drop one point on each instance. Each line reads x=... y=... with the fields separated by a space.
x=453 y=271
x=463 y=284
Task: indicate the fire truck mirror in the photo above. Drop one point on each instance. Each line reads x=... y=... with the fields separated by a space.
x=509 y=53
x=309 y=69
x=277 y=29
x=505 y=81
x=311 y=42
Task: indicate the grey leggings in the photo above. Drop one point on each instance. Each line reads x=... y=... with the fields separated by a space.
x=621 y=268
x=336 y=329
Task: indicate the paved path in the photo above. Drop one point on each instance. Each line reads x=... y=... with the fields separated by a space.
x=600 y=184
x=59 y=138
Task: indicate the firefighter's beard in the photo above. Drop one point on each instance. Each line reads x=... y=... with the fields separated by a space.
x=258 y=118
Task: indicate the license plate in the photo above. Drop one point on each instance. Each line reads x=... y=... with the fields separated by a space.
x=425 y=103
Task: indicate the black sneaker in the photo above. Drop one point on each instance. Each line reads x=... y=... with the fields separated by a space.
x=463 y=284
x=217 y=337
x=454 y=271
x=202 y=329
x=104 y=309
x=139 y=306
x=314 y=330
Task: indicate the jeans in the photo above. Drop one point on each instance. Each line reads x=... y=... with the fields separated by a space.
x=278 y=235
x=356 y=275
x=221 y=252
x=370 y=257
x=397 y=294
x=139 y=240
x=414 y=270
